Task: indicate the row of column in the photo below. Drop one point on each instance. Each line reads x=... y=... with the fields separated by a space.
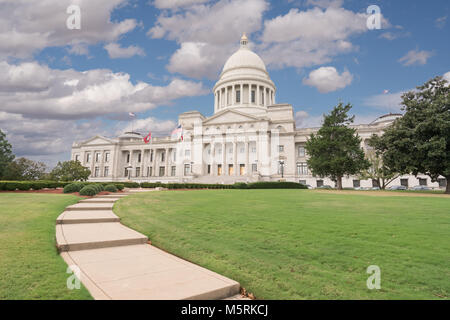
x=224 y=163
x=151 y=161
x=92 y=164
x=222 y=95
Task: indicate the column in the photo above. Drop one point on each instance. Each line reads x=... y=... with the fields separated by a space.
x=247 y=162
x=265 y=96
x=154 y=162
x=274 y=100
x=215 y=101
x=242 y=94
x=226 y=96
x=249 y=93
x=213 y=159
x=235 y=164
x=143 y=163
x=224 y=159
x=233 y=95
x=166 y=164
x=258 y=98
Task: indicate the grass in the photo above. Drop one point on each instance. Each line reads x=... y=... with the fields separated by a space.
x=30 y=267
x=303 y=244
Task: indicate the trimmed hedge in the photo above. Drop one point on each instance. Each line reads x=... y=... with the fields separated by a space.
x=276 y=185
x=111 y=188
x=88 y=191
x=28 y=185
x=74 y=187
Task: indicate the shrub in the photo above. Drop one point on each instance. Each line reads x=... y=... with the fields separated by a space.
x=73 y=187
x=276 y=185
x=111 y=188
x=240 y=185
x=98 y=187
x=88 y=191
x=119 y=186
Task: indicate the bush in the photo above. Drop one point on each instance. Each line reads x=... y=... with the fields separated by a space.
x=111 y=188
x=88 y=191
x=98 y=187
x=119 y=186
x=240 y=185
x=276 y=185
x=73 y=187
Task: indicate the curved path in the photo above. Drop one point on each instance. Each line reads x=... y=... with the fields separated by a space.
x=117 y=262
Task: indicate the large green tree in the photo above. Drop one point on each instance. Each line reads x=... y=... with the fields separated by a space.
x=70 y=171
x=419 y=142
x=24 y=169
x=6 y=155
x=335 y=150
x=377 y=170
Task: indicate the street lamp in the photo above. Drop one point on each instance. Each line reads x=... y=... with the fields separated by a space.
x=282 y=168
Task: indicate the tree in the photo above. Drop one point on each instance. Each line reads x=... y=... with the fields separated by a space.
x=377 y=171
x=24 y=169
x=6 y=155
x=335 y=150
x=419 y=142
x=70 y=171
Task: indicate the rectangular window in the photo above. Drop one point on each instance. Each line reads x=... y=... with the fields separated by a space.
x=302 y=168
x=150 y=171
x=187 y=153
x=209 y=169
x=230 y=170
x=253 y=96
x=281 y=148
x=404 y=182
x=77 y=157
x=174 y=171
x=442 y=183
x=238 y=96
x=356 y=183
x=126 y=173
x=301 y=152
x=96 y=172
x=303 y=182
x=106 y=173
x=187 y=169
x=138 y=172
x=151 y=155
x=139 y=157
x=254 y=167
x=163 y=156
x=162 y=171
x=128 y=157
x=319 y=183
x=253 y=149
x=423 y=181
x=219 y=169
x=88 y=158
x=97 y=157
x=107 y=157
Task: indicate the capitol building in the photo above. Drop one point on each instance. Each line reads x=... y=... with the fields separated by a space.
x=250 y=137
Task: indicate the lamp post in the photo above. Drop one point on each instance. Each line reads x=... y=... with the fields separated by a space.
x=282 y=168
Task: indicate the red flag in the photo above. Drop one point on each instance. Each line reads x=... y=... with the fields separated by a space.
x=148 y=137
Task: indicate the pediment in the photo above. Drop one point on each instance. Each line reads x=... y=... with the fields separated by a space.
x=97 y=140
x=230 y=116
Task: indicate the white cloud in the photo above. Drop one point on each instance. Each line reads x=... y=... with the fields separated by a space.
x=208 y=34
x=391 y=101
x=415 y=57
x=174 y=4
x=116 y=51
x=441 y=22
x=304 y=120
x=328 y=79
x=158 y=127
x=446 y=76
x=312 y=37
x=27 y=26
x=325 y=3
x=37 y=91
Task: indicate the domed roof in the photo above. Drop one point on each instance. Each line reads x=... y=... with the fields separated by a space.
x=130 y=135
x=244 y=57
x=390 y=117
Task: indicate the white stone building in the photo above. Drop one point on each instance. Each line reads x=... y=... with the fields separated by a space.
x=248 y=138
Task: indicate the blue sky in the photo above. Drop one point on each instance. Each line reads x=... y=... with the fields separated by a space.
x=161 y=58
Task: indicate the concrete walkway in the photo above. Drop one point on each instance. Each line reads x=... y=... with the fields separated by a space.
x=117 y=262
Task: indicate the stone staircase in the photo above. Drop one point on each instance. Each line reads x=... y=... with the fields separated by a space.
x=117 y=262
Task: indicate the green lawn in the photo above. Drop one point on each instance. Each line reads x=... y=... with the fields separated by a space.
x=302 y=244
x=30 y=267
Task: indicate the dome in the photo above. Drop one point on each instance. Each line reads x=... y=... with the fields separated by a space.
x=390 y=117
x=130 y=136
x=244 y=57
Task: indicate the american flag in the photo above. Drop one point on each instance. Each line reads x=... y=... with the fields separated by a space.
x=177 y=133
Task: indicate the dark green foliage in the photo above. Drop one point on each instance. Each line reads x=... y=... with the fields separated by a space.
x=6 y=155
x=276 y=185
x=335 y=150
x=88 y=191
x=111 y=188
x=419 y=142
x=73 y=187
x=70 y=171
x=119 y=186
x=28 y=185
x=24 y=169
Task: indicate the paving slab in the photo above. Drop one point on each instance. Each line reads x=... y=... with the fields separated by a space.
x=87 y=216
x=99 y=200
x=84 y=236
x=146 y=272
x=113 y=195
x=90 y=206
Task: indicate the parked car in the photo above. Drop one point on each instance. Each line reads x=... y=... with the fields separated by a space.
x=325 y=187
x=309 y=186
x=421 y=188
x=375 y=188
x=397 y=188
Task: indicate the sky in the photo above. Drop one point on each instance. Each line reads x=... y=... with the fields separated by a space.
x=160 y=58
